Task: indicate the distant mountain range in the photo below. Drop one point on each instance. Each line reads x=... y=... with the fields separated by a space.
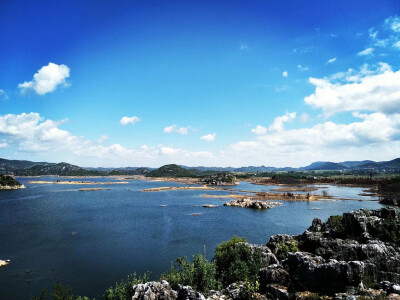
x=29 y=168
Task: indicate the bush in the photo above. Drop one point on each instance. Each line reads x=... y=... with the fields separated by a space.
x=249 y=290
x=199 y=274
x=337 y=226
x=236 y=262
x=123 y=290
x=285 y=248
x=388 y=232
x=60 y=292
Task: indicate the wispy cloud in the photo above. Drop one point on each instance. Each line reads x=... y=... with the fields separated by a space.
x=332 y=60
x=365 y=52
x=3 y=94
x=177 y=129
x=285 y=74
x=301 y=68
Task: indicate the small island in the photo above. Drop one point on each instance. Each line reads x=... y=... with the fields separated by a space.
x=9 y=183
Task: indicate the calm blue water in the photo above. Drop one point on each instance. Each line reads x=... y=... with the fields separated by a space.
x=123 y=230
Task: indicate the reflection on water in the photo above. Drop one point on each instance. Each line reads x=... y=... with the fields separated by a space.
x=92 y=239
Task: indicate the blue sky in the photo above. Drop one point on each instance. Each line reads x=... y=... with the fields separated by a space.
x=279 y=83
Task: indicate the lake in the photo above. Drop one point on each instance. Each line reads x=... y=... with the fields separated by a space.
x=89 y=240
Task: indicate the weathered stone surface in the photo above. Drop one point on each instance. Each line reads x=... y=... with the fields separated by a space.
x=154 y=291
x=252 y=203
x=267 y=257
x=273 y=274
x=278 y=239
x=187 y=293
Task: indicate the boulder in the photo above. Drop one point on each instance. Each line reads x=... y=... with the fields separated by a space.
x=154 y=291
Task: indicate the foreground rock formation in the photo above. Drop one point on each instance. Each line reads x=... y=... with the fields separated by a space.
x=354 y=256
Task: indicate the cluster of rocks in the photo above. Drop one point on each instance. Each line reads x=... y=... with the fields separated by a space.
x=356 y=258
x=252 y=203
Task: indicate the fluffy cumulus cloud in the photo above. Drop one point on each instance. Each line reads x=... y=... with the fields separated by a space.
x=44 y=139
x=259 y=130
x=285 y=74
x=209 y=137
x=129 y=120
x=47 y=79
x=368 y=137
x=177 y=129
x=277 y=125
x=377 y=91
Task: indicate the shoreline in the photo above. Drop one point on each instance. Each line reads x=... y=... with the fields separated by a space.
x=77 y=182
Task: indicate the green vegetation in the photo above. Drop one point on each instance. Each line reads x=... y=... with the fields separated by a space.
x=337 y=226
x=389 y=231
x=60 y=292
x=199 y=274
x=236 y=262
x=285 y=247
x=8 y=181
x=173 y=171
x=123 y=289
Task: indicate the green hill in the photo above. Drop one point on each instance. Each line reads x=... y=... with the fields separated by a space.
x=173 y=171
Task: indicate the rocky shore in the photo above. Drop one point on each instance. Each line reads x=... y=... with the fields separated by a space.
x=12 y=187
x=354 y=256
x=252 y=203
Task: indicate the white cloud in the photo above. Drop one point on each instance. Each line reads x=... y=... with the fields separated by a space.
x=301 y=68
x=209 y=137
x=377 y=90
x=278 y=123
x=304 y=118
x=394 y=23
x=373 y=135
x=332 y=60
x=397 y=44
x=177 y=129
x=3 y=94
x=365 y=52
x=47 y=79
x=102 y=138
x=285 y=74
x=3 y=145
x=30 y=133
x=259 y=130
x=129 y=120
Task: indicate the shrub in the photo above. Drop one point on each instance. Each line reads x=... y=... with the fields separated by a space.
x=199 y=274
x=60 y=292
x=285 y=248
x=337 y=226
x=249 y=290
x=123 y=289
x=236 y=262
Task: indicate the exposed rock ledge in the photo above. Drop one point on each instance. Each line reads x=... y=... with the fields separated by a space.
x=252 y=203
x=356 y=256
